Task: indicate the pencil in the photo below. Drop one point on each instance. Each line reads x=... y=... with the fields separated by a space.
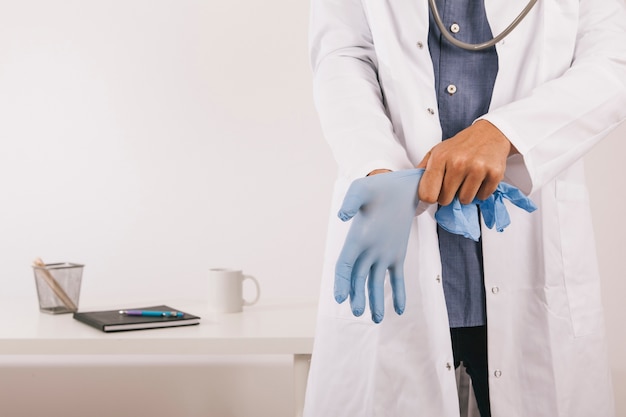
x=54 y=285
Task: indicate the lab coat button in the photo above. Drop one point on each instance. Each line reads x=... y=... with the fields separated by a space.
x=495 y=290
x=420 y=44
x=497 y=373
x=431 y=111
x=449 y=366
x=451 y=89
x=454 y=28
x=438 y=278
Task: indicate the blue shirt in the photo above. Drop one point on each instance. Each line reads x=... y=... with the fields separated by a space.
x=464 y=83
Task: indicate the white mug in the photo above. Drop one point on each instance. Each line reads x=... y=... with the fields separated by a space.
x=226 y=290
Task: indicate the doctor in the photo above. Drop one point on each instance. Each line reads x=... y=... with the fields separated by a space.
x=526 y=317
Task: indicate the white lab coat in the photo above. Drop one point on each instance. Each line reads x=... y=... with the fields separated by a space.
x=560 y=89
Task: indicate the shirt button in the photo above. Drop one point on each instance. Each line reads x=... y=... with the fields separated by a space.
x=454 y=28
x=431 y=111
x=451 y=89
x=420 y=44
x=497 y=373
x=495 y=290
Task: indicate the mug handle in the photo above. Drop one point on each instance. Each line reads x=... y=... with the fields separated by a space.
x=258 y=290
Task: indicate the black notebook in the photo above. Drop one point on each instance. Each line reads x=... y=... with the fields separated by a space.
x=114 y=321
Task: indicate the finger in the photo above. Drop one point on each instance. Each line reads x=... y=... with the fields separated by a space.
x=469 y=188
x=353 y=200
x=396 y=277
x=501 y=214
x=459 y=219
x=343 y=269
x=357 y=293
x=376 y=290
x=469 y=213
x=487 y=188
x=516 y=197
x=450 y=187
x=431 y=181
x=487 y=209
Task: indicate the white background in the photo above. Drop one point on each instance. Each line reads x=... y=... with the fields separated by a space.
x=152 y=140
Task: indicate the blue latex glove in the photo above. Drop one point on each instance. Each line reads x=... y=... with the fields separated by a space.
x=460 y=219
x=463 y=219
x=382 y=208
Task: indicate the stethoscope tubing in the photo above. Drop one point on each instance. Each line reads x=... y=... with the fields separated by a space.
x=478 y=46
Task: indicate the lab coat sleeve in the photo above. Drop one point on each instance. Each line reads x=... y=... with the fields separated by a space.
x=347 y=92
x=563 y=118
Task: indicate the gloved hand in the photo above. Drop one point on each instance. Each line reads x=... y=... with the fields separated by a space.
x=382 y=207
x=463 y=219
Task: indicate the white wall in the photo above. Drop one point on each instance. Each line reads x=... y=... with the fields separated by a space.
x=153 y=139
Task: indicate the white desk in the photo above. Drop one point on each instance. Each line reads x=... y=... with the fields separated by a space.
x=281 y=327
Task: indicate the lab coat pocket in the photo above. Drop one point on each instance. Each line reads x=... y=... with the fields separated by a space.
x=580 y=269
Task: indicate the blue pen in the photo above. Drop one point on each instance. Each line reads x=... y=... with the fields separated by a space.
x=151 y=313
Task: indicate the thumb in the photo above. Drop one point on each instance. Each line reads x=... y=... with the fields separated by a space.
x=355 y=198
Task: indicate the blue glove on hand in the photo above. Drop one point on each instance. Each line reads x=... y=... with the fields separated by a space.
x=383 y=207
x=462 y=219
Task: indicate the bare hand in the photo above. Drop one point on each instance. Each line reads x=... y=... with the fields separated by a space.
x=470 y=164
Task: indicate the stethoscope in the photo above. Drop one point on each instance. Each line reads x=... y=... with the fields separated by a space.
x=478 y=46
